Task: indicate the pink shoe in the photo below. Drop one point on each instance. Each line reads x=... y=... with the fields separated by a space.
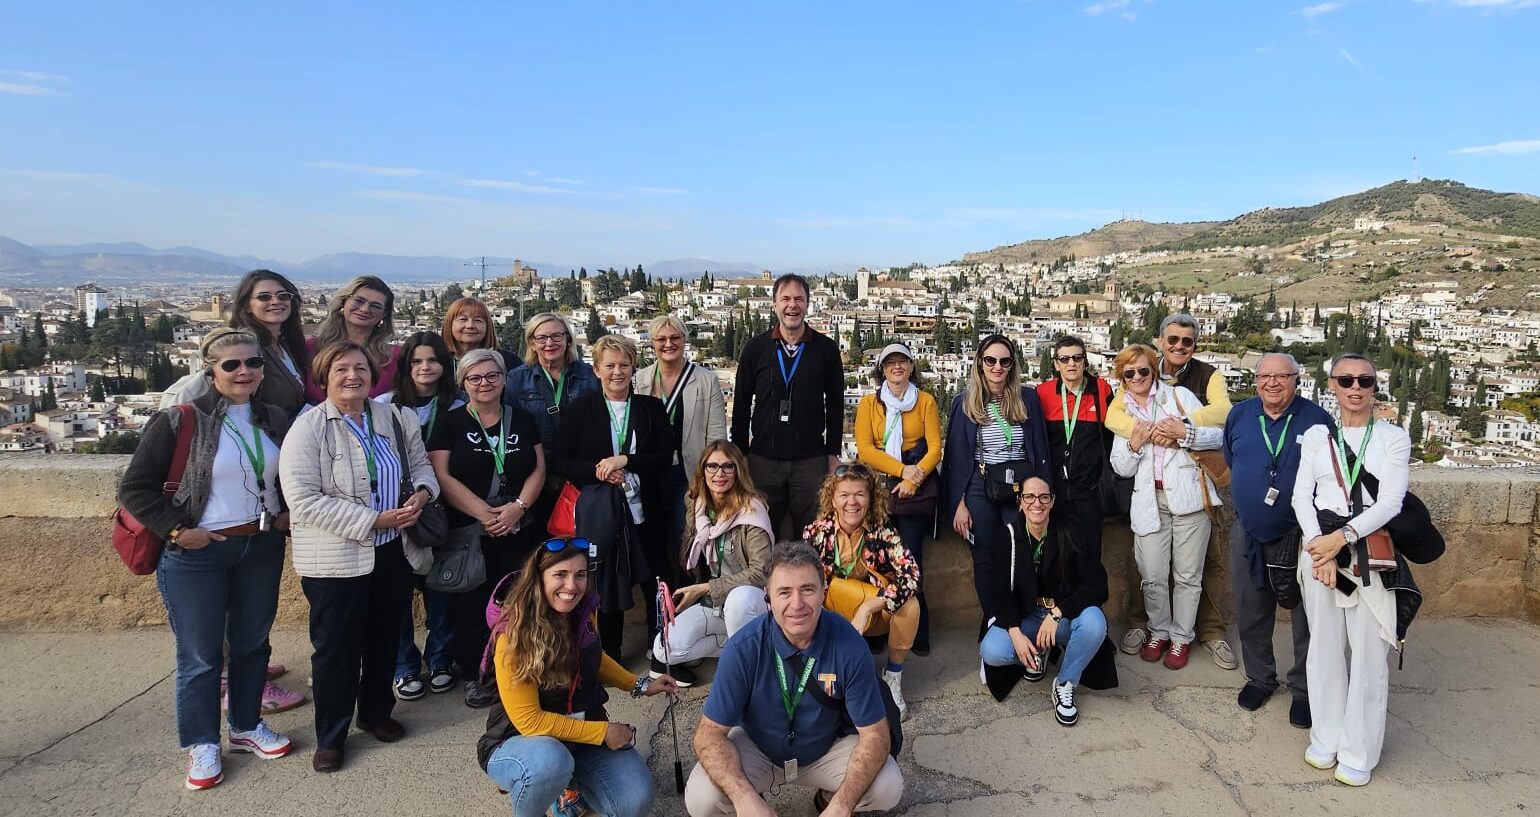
x=275 y=671
x=278 y=699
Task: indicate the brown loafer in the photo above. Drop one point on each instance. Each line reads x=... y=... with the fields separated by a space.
x=326 y=761
x=389 y=730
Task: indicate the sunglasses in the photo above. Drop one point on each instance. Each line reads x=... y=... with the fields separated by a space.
x=1037 y=499
x=1186 y=343
x=1346 y=381
x=559 y=544
x=235 y=363
x=1130 y=374
x=724 y=467
x=1067 y=359
x=283 y=297
x=478 y=379
x=991 y=361
x=852 y=469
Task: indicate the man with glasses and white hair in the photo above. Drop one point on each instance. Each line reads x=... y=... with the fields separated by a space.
x=1178 y=342
x=1262 y=439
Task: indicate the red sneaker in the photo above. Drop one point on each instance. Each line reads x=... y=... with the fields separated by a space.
x=1154 y=648
x=1176 y=658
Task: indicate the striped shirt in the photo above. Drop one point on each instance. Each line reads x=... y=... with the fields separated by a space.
x=387 y=483
x=993 y=448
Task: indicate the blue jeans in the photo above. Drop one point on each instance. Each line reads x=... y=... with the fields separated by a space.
x=1079 y=637
x=225 y=592
x=435 y=645
x=534 y=770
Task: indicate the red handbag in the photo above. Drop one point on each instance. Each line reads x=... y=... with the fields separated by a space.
x=563 y=522
x=138 y=546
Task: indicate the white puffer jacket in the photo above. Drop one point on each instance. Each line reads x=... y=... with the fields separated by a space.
x=1184 y=481
x=325 y=480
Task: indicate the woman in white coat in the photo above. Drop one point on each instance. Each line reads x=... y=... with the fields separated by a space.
x=1364 y=487
x=1172 y=497
x=351 y=489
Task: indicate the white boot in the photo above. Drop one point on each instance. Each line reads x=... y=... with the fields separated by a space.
x=895 y=682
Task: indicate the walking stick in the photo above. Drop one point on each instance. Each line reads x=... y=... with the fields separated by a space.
x=666 y=614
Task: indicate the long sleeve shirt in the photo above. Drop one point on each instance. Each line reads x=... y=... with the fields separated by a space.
x=816 y=393
x=923 y=422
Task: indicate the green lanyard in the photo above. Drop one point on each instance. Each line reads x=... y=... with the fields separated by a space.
x=500 y=450
x=844 y=572
x=788 y=698
x=1358 y=466
x=894 y=422
x=257 y=455
x=558 y=385
x=1071 y=419
x=1274 y=450
x=1037 y=548
x=624 y=420
x=994 y=411
x=367 y=442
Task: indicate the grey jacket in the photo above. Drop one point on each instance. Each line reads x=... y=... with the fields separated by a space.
x=745 y=553
x=705 y=410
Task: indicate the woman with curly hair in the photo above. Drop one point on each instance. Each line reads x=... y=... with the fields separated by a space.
x=551 y=731
x=873 y=578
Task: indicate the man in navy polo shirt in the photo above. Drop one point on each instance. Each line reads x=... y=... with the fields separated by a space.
x=1262 y=444
x=794 y=700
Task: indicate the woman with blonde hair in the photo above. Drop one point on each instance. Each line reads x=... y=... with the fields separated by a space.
x=361 y=312
x=726 y=546
x=551 y=744
x=1169 y=513
x=873 y=578
x=468 y=325
x=552 y=380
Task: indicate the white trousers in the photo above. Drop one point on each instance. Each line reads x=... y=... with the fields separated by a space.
x=1171 y=570
x=702 y=798
x=1348 y=693
x=699 y=631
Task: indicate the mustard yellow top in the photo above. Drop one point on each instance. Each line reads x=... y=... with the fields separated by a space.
x=1213 y=414
x=522 y=701
x=923 y=421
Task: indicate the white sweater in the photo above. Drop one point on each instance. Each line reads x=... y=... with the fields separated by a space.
x=1184 y=481
x=325 y=481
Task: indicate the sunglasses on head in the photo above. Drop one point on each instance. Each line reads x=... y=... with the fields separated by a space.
x=852 y=469
x=1142 y=371
x=235 y=363
x=1346 y=381
x=1174 y=340
x=1068 y=359
x=991 y=361
x=559 y=544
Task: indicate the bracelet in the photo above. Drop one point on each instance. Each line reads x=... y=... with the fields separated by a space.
x=638 y=688
x=519 y=501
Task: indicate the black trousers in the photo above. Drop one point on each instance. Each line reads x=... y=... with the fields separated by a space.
x=468 y=610
x=1256 y=616
x=791 y=490
x=355 y=627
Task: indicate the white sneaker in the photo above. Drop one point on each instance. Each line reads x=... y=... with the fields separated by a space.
x=1319 y=758
x=1349 y=776
x=261 y=741
x=1133 y=640
x=982 y=679
x=895 y=682
x=1064 y=703
x=204 y=769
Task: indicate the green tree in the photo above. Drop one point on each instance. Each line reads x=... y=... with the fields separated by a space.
x=50 y=397
x=595 y=326
x=98 y=394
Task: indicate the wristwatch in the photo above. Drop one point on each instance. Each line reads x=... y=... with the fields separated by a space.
x=175 y=532
x=1349 y=535
x=520 y=502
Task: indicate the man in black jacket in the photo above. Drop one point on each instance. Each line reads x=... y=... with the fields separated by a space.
x=788 y=408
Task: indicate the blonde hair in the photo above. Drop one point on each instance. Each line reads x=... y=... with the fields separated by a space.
x=531 y=354
x=662 y=322
x=334 y=328
x=876 y=497
x=976 y=400
x=474 y=306
x=613 y=343
x=223 y=338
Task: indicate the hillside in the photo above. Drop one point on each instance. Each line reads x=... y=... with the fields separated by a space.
x=1119 y=236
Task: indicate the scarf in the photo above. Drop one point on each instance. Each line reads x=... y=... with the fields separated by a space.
x=754 y=515
x=893 y=442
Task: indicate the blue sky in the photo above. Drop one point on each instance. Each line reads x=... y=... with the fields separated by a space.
x=786 y=133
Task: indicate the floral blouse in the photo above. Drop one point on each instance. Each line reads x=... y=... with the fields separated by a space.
x=890 y=567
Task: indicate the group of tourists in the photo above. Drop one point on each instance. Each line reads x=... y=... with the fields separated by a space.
x=525 y=499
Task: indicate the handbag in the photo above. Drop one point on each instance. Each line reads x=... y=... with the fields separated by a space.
x=1210 y=461
x=1115 y=492
x=925 y=498
x=1376 y=551
x=458 y=563
x=138 y=546
x=432 y=527
x=1002 y=480
x=563 y=521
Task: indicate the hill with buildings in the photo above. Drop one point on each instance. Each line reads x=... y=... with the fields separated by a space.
x=1120 y=236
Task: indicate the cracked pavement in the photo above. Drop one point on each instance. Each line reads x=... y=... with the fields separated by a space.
x=87 y=728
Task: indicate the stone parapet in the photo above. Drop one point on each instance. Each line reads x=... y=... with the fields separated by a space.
x=62 y=574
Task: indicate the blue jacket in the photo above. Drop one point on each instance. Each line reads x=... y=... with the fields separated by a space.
x=959 y=466
x=528 y=389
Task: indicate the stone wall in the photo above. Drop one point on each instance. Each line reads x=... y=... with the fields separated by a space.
x=60 y=572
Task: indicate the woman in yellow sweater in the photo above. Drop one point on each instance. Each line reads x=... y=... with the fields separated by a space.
x=551 y=742
x=898 y=433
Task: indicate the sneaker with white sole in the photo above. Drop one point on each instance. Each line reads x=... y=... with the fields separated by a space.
x=1133 y=640
x=409 y=688
x=983 y=679
x=204 y=768
x=1349 y=776
x=1219 y=650
x=261 y=741
x=895 y=682
x=1319 y=758
x=1064 y=709
x=441 y=680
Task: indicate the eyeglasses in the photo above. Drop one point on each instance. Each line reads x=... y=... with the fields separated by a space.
x=235 y=363
x=489 y=378
x=374 y=307
x=724 y=467
x=1037 y=499
x=553 y=337
x=1346 y=381
x=1284 y=376
x=1130 y=374
x=265 y=297
x=559 y=544
x=661 y=340
x=1068 y=359
x=1177 y=340
x=852 y=469
x=991 y=361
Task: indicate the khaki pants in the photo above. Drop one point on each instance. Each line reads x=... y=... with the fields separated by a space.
x=702 y=797
x=1216 y=576
x=845 y=596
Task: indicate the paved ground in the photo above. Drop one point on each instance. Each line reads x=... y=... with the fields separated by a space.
x=86 y=728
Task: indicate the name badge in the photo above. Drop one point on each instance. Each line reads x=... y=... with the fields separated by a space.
x=791 y=770
x=1271 y=497
x=786 y=409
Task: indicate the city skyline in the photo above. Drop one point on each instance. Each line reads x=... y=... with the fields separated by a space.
x=787 y=137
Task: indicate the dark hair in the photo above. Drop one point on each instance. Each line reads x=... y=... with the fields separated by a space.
x=793 y=554
x=406 y=387
x=1066 y=341
x=790 y=278
x=291 y=336
x=327 y=356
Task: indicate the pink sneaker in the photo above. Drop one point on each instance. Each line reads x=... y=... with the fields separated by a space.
x=275 y=670
x=279 y=699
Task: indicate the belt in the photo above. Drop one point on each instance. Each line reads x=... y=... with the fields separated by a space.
x=248 y=529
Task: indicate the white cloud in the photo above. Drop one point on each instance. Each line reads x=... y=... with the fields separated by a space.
x=411 y=195
x=1513 y=148
x=1096 y=9
x=372 y=170
x=22 y=89
x=1351 y=60
x=517 y=187
x=34 y=76
x=1319 y=9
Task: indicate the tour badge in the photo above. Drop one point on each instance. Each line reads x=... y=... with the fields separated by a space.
x=827 y=679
